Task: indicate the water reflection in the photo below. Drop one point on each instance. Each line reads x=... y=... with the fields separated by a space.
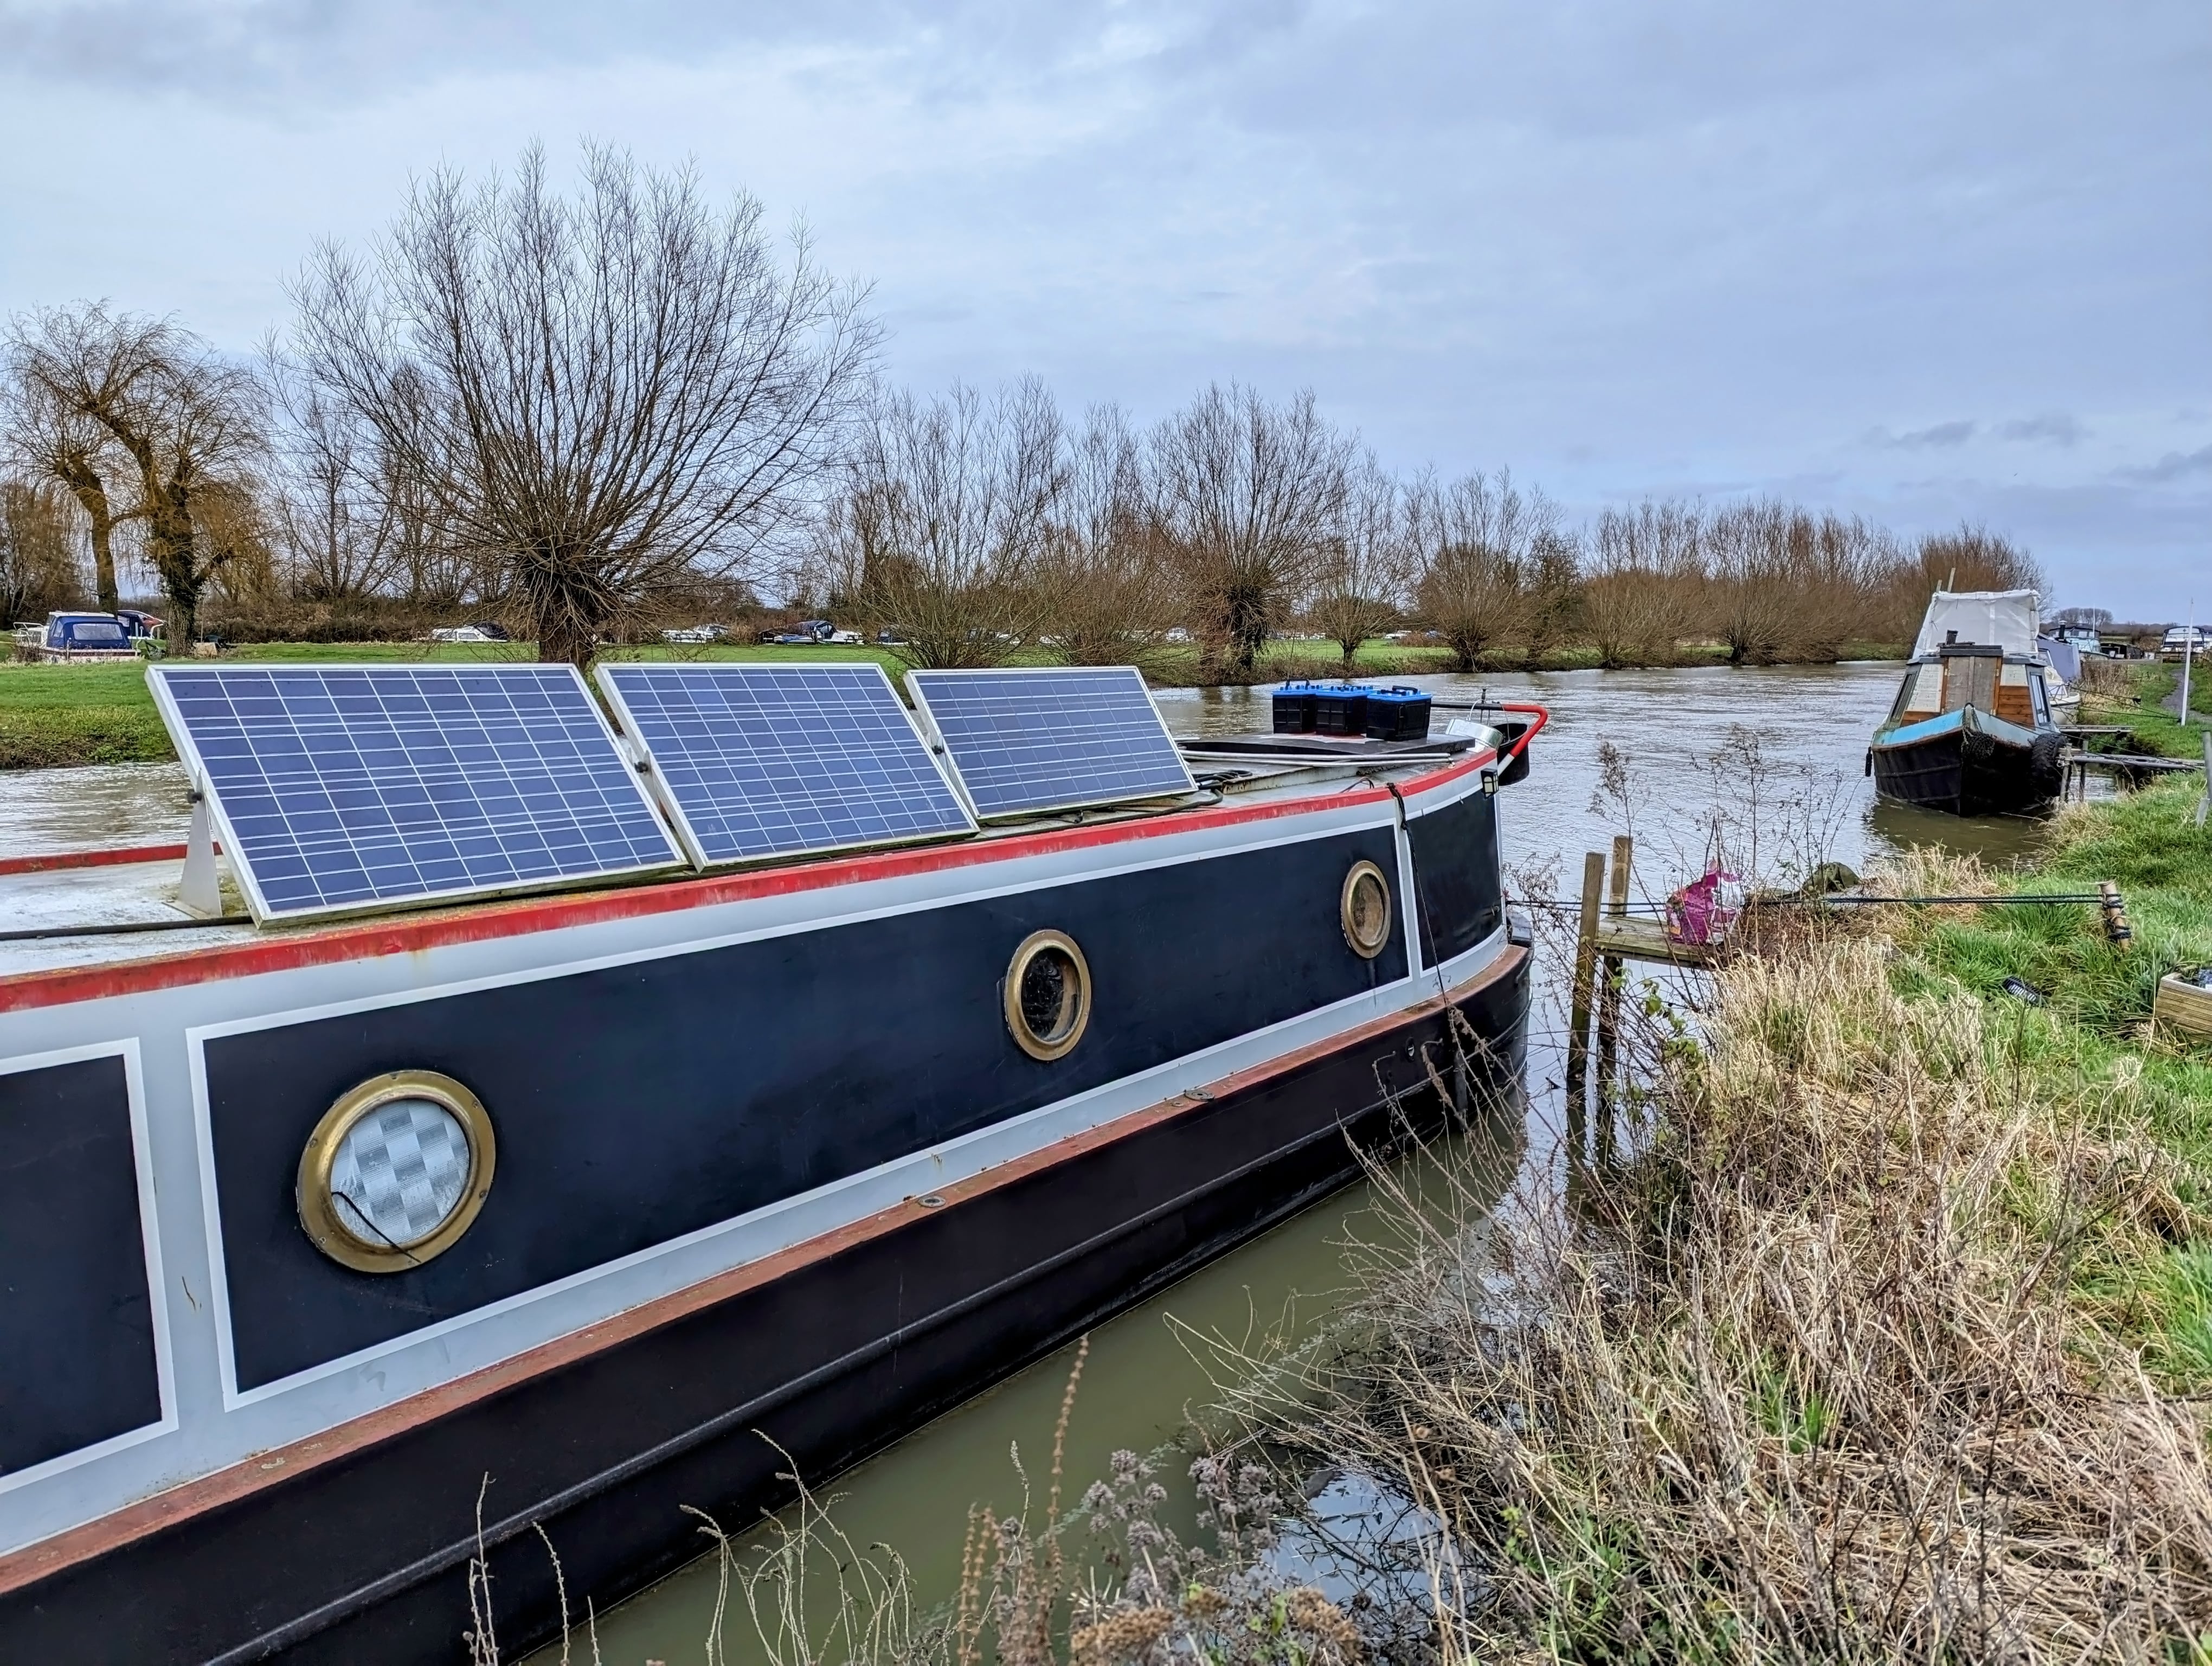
x=1149 y=1373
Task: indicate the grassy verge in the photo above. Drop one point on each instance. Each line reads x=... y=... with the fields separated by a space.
x=1892 y=1337
x=2139 y=700
x=52 y=716
x=58 y=715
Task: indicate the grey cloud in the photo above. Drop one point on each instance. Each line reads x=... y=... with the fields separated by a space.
x=1621 y=248
x=2057 y=429
x=1941 y=436
x=2174 y=465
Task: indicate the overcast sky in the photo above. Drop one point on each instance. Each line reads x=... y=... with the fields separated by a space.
x=1928 y=262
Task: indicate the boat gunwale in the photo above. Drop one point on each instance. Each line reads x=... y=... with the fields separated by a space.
x=386 y=936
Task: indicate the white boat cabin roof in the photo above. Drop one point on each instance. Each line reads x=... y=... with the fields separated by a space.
x=1994 y=618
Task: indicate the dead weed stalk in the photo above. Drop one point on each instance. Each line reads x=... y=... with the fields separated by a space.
x=1805 y=1377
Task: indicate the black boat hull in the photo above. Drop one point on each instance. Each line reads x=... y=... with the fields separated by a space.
x=1976 y=766
x=599 y=1438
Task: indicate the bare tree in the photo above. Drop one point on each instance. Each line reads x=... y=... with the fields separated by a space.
x=37 y=571
x=1367 y=563
x=1970 y=558
x=944 y=508
x=339 y=531
x=1641 y=594
x=1108 y=593
x=1482 y=541
x=603 y=398
x=1246 y=495
x=188 y=422
x=1748 y=550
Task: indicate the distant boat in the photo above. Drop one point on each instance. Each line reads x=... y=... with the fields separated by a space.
x=1972 y=733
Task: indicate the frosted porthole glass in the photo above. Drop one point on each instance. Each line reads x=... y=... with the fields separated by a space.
x=399 y=1172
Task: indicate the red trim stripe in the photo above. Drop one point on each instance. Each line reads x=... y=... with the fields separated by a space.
x=487 y=921
x=144 y=853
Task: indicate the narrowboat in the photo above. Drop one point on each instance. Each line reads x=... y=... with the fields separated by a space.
x=528 y=1103
x=1972 y=732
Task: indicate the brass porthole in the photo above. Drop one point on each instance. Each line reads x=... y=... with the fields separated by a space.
x=396 y=1172
x=1047 y=995
x=1365 y=909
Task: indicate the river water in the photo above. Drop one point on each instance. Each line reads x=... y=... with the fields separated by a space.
x=1778 y=753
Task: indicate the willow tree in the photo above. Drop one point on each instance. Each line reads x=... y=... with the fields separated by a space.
x=105 y=401
x=1367 y=562
x=1247 y=495
x=1487 y=555
x=607 y=398
x=945 y=505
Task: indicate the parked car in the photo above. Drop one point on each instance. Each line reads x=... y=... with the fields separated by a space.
x=702 y=633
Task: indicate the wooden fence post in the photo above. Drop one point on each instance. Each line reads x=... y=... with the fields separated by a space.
x=1578 y=1015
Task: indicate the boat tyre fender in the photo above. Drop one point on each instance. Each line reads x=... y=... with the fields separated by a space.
x=2046 y=765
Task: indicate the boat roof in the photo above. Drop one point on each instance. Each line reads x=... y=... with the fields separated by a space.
x=81 y=911
x=1994 y=618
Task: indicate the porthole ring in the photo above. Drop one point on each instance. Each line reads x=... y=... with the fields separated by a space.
x=437 y=1110
x=1047 y=995
x=1364 y=910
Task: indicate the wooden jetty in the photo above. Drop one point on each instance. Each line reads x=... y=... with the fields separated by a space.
x=2136 y=768
x=1608 y=932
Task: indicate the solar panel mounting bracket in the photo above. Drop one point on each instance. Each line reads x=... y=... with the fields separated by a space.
x=200 y=892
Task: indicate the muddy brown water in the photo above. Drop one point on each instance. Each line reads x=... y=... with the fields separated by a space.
x=1150 y=1368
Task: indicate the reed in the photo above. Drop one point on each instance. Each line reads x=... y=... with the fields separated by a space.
x=1829 y=1368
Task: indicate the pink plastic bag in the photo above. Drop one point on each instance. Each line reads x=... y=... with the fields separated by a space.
x=1704 y=911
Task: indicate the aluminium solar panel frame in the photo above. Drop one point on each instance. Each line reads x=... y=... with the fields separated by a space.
x=688 y=837
x=241 y=872
x=935 y=739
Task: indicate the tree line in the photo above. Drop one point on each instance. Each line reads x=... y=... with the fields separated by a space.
x=593 y=413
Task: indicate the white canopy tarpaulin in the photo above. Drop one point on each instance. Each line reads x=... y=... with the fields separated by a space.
x=1994 y=618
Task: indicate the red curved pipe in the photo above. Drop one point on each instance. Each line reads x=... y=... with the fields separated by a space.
x=1543 y=716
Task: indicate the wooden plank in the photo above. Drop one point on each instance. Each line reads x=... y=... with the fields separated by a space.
x=1631 y=937
x=2185 y=1008
x=1586 y=947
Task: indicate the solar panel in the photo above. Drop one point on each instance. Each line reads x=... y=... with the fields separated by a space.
x=759 y=761
x=1037 y=739
x=344 y=787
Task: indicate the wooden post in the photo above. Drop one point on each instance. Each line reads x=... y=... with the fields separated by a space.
x=2118 y=931
x=1608 y=993
x=1578 y=1016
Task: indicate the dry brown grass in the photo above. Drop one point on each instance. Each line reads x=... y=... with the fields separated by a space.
x=1805 y=1379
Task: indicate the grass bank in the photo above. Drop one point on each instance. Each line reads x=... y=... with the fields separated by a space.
x=1891 y=1339
x=2138 y=694
x=57 y=715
